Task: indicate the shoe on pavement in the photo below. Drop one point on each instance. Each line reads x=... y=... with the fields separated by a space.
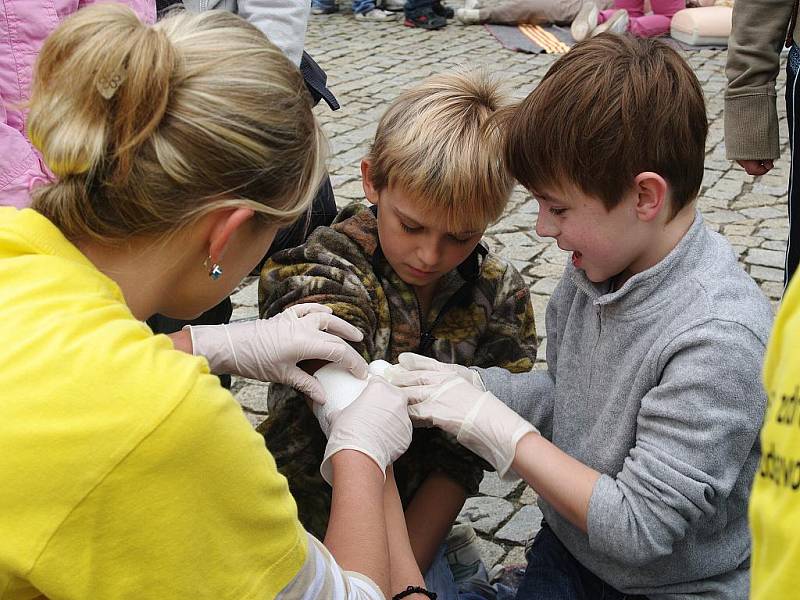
x=393 y=5
x=424 y=18
x=443 y=10
x=462 y=553
x=323 y=10
x=377 y=15
x=584 y=22
x=617 y=23
x=468 y=16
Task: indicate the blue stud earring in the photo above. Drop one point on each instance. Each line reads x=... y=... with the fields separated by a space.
x=214 y=270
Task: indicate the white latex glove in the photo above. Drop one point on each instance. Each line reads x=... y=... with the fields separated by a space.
x=478 y=420
x=411 y=362
x=269 y=349
x=375 y=424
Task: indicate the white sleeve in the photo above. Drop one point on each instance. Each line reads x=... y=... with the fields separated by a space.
x=282 y=21
x=321 y=578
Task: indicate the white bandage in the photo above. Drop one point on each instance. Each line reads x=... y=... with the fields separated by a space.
x=341 y=388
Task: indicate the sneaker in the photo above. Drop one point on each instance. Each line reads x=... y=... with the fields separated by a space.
x=323 y=10
x=393 y=5
x=376 y=14
x=424 y=18
x=584 y=22
x=508 y=575
x=463 y=554
x=443 y=10
x=468 y=16
x=617 y=23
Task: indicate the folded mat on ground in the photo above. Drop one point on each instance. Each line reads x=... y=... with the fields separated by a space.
x=555 y=39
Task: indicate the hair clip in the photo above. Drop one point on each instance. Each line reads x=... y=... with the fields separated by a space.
x=108 y=86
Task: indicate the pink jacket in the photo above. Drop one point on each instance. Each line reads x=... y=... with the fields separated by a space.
x=24 y=25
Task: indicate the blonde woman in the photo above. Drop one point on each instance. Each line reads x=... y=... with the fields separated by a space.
x=127 y=471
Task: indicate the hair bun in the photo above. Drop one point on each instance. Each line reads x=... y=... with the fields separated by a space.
x=101 y=87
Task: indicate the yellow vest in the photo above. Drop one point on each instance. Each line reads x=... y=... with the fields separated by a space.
x=775 y=501
x=126 y=471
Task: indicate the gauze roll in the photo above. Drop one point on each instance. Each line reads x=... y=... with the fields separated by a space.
x=341 y=388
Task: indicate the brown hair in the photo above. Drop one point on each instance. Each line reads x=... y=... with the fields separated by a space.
x=611 y=108
x=206 y=113
x=437 y=142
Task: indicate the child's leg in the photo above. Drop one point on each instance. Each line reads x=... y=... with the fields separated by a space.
x=635 y=9
x=439 y=578
x=554 y=574
x=363 y=6
x=657 y=23
x=324 y=5
x=514 y=12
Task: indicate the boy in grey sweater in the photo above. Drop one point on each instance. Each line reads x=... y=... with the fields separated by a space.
x=651 y=403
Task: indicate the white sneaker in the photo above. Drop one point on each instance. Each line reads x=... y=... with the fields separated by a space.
x=584 y=22
x=617 y=23
x=468 y=16
x=393 y=5
x=376 y=14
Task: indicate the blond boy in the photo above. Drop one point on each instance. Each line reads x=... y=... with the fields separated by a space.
x=410 y=272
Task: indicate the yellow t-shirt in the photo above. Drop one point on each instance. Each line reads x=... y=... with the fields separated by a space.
x=775 y=501
x=126 y=471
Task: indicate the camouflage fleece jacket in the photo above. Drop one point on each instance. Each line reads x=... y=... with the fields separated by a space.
x=481 y=315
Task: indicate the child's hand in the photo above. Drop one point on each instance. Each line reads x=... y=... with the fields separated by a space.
x=415 y=369
x=478 y=420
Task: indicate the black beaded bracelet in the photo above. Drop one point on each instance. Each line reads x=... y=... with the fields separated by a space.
x=414 y=589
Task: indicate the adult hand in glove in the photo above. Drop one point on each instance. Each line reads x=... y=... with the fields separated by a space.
x=375 y=424
x=477 y=419
x=269 y=349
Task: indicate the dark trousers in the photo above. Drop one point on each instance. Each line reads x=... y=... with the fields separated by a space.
x=792 y=97
x=554 y=574
x=321 y=212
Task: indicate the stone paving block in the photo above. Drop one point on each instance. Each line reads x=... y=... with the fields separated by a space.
x=764 y=212
x=485 y=513
x=528 y=496
x=523 y=525
x=722 y=216
x=780 y=246
x=545 y=286
x=747 y=241
x=252 y=395
x=515 y=556
x=492 y=485
x=743 y=230
x=253 y=418
x=244 y=313
x=774 y=233
x=766 y=258
x=773 y=290
x=760 y=273
x=491 y=553
x=246 y=296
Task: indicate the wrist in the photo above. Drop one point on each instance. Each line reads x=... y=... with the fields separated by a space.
x=350 y=463
x=182 y=340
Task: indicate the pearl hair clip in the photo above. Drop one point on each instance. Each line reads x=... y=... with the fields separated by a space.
x=108 y=86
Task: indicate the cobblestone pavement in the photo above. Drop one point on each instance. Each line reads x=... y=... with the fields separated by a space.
x=369 y=64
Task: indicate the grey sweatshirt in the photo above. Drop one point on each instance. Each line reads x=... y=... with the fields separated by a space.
x=658 y=387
